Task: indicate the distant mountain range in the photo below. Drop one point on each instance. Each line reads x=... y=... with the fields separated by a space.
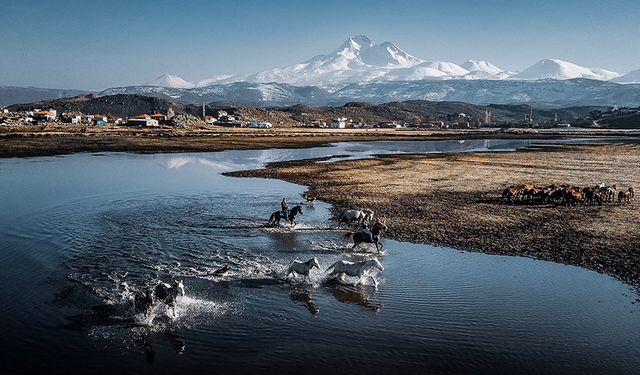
x=359 y=60
x=544 y=93
x=363 y=71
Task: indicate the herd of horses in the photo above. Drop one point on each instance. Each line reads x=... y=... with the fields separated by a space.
x=567 y=195
x=145 y=300
x=359 y=269
x=367 y=230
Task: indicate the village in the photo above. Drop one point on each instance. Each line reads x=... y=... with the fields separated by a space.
x=247 y=117
x=225 y=119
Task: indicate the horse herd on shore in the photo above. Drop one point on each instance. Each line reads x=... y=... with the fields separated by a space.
x=568 y=195
x=367 y=230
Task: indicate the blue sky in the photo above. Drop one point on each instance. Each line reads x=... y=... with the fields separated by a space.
x=97 y=44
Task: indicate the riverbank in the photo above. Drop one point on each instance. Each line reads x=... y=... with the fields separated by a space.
x=454 y=200
x=65 y=139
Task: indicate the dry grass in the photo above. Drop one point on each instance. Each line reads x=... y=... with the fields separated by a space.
x=454 y=200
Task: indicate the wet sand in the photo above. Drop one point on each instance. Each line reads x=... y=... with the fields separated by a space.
x=454 y=200
x=31 y=140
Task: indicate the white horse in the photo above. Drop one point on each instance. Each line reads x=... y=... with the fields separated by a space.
x=356 y=269
x=302 y=268
x=360 y=216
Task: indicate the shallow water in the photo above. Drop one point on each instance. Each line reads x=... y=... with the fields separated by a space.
x=79 y=233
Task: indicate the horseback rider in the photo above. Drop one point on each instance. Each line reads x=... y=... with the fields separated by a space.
x=367 y=232
x=285 y=207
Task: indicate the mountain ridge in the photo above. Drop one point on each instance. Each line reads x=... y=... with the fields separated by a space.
x=359 y=60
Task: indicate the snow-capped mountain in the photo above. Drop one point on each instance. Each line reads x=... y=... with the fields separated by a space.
x=560 y=70
x=574 y=92
x=482 y=66
x=221 y=78
x=631 y=77
x=356 y=60
x=169 y=80
x=359 y=60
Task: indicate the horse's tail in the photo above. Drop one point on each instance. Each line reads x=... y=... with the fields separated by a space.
x=271 y=218
x=348 y=235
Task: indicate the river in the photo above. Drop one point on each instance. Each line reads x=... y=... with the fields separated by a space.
x=79 y=233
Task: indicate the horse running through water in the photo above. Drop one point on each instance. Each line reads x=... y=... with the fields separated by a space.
x=302 y=268
x=309 y=198
x=143 y=302
x=168 y=293
x=356 y=269
x=291 y=218
x=365 y=236
x=360 y=216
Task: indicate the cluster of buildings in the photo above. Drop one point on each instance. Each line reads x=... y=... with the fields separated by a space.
x=221 y=118
x=457 y=120
x=50 y=115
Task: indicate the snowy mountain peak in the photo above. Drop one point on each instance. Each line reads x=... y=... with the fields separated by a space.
x=388 y=54
x=172 y=81
x=631 y=77
x=361 y=41
x=481 y=66
x=359 y=60
x=559 y=69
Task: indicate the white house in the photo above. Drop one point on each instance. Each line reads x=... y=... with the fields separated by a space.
x=45 y=115
x=338 y=123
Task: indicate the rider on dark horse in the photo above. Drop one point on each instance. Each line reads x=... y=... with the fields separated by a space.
x=366 y=231
x=285 y=208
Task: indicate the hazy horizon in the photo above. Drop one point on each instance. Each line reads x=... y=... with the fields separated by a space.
x=70 y=44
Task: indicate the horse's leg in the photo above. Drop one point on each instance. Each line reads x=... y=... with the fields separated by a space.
x=375 y=282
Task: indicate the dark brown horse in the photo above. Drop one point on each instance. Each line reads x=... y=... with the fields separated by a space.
x=143 y=302
x=291 y=218
x=369 y=236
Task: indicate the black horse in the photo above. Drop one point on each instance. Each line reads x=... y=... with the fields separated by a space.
x=277 y=216
x=366 y=236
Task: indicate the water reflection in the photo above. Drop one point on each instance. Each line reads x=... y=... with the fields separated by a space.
x=304 y=295
x=354 y=294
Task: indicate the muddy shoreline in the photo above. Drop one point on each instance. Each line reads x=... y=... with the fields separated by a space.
x=58 y=140
x=454 y=200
